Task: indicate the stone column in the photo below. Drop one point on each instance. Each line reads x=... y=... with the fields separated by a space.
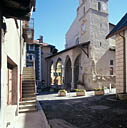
x=55 y=77
x=72 y=83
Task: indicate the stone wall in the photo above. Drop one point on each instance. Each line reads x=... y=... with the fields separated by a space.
x=119 y=64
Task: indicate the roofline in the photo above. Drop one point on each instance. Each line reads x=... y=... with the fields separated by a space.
x=86 y=43
x=112 y=24
x=110 y=35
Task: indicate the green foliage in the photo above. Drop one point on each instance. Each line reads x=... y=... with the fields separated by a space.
x=63 y=90
x=98 y=89
x=79 y=90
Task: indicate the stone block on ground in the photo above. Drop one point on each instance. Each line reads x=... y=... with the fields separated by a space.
x=59 y=123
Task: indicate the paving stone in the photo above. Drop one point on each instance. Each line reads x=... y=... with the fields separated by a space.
x=99 y=107
x=59 y=123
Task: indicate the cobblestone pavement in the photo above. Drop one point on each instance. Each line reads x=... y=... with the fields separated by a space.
x=85 y=112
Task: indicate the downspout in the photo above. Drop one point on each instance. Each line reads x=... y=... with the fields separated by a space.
x=20 y=62
x=124 y=60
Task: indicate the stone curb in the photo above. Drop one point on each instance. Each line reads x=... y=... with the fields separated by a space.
x=46 y=124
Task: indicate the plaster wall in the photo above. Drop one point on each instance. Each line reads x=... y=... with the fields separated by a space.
x=11 y=50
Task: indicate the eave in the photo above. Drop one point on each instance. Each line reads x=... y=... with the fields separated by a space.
x=20 y=9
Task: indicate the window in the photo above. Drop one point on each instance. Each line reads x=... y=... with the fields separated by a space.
x=77 y=40
x=111 y=70
x=31 y=47
x=30 y=57
x=111 y=62
x=84 y=10
x=99 y=6
x=100 y=44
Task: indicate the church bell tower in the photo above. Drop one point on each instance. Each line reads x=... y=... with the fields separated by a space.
x=94 y=25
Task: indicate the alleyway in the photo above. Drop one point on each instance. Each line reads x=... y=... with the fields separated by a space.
x=84 y=112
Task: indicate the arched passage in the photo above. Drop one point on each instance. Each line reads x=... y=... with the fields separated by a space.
x=76 y=71
x=68 y=73
x=59 y=72
x=52 y=74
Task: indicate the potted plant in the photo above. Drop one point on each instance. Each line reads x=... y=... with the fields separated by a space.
x=99 y=91
x=62 y=92
x=80 y=92
x=121 y=96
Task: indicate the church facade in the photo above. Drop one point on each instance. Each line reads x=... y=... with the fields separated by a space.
x=88 y=60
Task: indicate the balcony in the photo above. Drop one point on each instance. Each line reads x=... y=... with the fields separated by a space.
x=28 y=31
x=19 y=9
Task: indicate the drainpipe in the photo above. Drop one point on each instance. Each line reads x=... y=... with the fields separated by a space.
x=20 y=62
x=124 y=60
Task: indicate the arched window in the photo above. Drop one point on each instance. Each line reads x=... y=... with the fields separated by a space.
x=77 y=40
x=59 y=72
x=99 y=6
x=52 y=74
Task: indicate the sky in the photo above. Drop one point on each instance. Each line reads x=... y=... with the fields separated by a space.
x=53 y=18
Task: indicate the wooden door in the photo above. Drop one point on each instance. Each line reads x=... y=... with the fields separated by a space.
x=9 y=101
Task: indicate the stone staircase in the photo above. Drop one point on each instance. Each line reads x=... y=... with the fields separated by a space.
x=28 y=103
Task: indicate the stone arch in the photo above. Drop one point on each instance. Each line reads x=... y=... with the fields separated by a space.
x=68 y=73
x=52 y=73
x=76 y=70
x=59 y=80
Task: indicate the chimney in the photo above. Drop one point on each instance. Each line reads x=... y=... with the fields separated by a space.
x=41 y=39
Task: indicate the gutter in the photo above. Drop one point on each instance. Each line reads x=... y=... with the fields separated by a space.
x=124 y=60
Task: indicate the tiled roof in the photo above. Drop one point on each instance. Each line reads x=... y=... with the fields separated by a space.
x=37 y=42
x=122 y=25
x=75 y=46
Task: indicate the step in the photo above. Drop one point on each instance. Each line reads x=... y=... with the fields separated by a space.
x=28 y=98
x=28 y=76
x=28 y=95
x=28 y=102
x=28 y=88
x=28 y=85
x=28 y=91
x=25 y=89
x=28 y=81
x=28 y=73
x=27 y=106
x=27 y=110
x=28 y=69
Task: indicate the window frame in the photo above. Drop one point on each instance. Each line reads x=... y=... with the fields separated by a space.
x=111 y=62
x=31 y=49
x=30 y=58
x=99 y=6
x=111 y=71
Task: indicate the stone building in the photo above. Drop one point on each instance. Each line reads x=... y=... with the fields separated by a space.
x=12 y=57
x=88 y=60
x=120 y=35
x=37 y=50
